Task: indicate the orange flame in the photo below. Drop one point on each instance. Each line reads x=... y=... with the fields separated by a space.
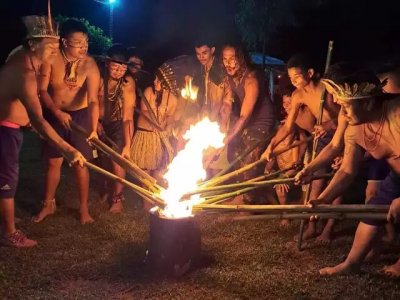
x=190 y=91
x=186 y=170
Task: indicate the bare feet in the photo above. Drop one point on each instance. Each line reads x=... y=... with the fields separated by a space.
x=309 y=234
x=49 y=208
x=324 y=239
x=392 y=270
x=284 y=223
x=85 y=217
x=340 y=269
x=116 y=203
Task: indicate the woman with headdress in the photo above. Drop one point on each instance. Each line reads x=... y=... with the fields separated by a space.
x=117 y=101
x=150 y=148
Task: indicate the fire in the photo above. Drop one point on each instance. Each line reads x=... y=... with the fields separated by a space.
x=186 y=169
x=190 y=91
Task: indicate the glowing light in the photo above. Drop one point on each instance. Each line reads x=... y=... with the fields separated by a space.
x=186 y=169
x=190 y=91
x=111 y=1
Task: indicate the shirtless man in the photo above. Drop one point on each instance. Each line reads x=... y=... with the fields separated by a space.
x=309 y=91
x=376 y=170
x=373 y=119
x=19 y=105
x=117 y=102
x=68 y=90
x=252 y=113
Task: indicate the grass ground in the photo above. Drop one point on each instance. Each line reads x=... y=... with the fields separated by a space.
x=240 y=260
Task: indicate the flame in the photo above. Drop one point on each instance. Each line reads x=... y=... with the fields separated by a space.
x=186 y=169
x=190 y=91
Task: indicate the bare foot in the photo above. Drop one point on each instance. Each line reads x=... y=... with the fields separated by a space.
x=284 y=223
x=49 y=208
x=323 y=239
x=392 y=270
x=116 y=208
x=340 y=269
x=85 y=218
x=309 y=234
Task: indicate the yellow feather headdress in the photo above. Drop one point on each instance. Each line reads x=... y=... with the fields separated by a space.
x=346 y=92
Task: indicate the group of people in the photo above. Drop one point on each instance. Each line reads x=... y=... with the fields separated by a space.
x=52 y=84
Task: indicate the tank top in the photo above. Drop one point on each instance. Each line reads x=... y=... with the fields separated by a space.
x=263 y=113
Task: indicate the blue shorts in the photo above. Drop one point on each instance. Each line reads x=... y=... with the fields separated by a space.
x=387 y=192
x=323 y=141
x=376 y=169
x=10 y=145
x=80 y=117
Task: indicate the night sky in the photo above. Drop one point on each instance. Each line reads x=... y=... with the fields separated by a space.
x=363 y=30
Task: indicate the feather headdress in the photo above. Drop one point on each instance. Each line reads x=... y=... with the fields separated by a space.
x=346 y=92
x=41 y=26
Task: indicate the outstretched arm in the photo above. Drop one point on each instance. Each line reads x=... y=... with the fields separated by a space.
x=251 y=92
x=353 y=155
x=30 y=100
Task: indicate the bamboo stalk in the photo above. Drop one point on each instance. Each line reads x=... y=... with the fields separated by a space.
x=293 y=145
x=246 y=187
x=147 y=195
x=315 y=142
x=148 y=119
x=322 y=208
x=322 y=216
x=131 y=168
x=228 y=176
x=234 y=162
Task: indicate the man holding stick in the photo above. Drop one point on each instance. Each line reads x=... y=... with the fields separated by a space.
x=309 y=91
x=373 y=119
x=68 y=90
x=19 y=105
x=252 y=114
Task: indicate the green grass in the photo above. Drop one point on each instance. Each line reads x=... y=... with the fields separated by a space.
x=240 y=260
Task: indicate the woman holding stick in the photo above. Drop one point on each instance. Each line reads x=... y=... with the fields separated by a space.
x=117 y=101
x=148 y=150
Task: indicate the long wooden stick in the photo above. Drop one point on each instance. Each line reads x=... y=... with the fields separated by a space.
x=322 y=208
x=131 y=168
x=315 y=143
x=148 y=196
x=306 y=216
x=230 y=175
x=249 y=186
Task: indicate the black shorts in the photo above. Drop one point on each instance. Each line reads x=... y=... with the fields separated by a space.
x=10 y=145
x=387 y=192
x=80 y=117
x=114 y=131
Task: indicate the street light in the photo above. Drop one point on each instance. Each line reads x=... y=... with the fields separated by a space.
x=111 y=4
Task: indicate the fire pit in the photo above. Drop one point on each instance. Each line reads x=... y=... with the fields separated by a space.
x=174 y=244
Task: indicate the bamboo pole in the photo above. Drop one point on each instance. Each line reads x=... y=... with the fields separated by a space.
x=315 y=142
x=131 y=168
x=293 y=145
x=230 y=175
x=147 y=195
x=322 y=216
x=321 y=208
x=248 y=186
